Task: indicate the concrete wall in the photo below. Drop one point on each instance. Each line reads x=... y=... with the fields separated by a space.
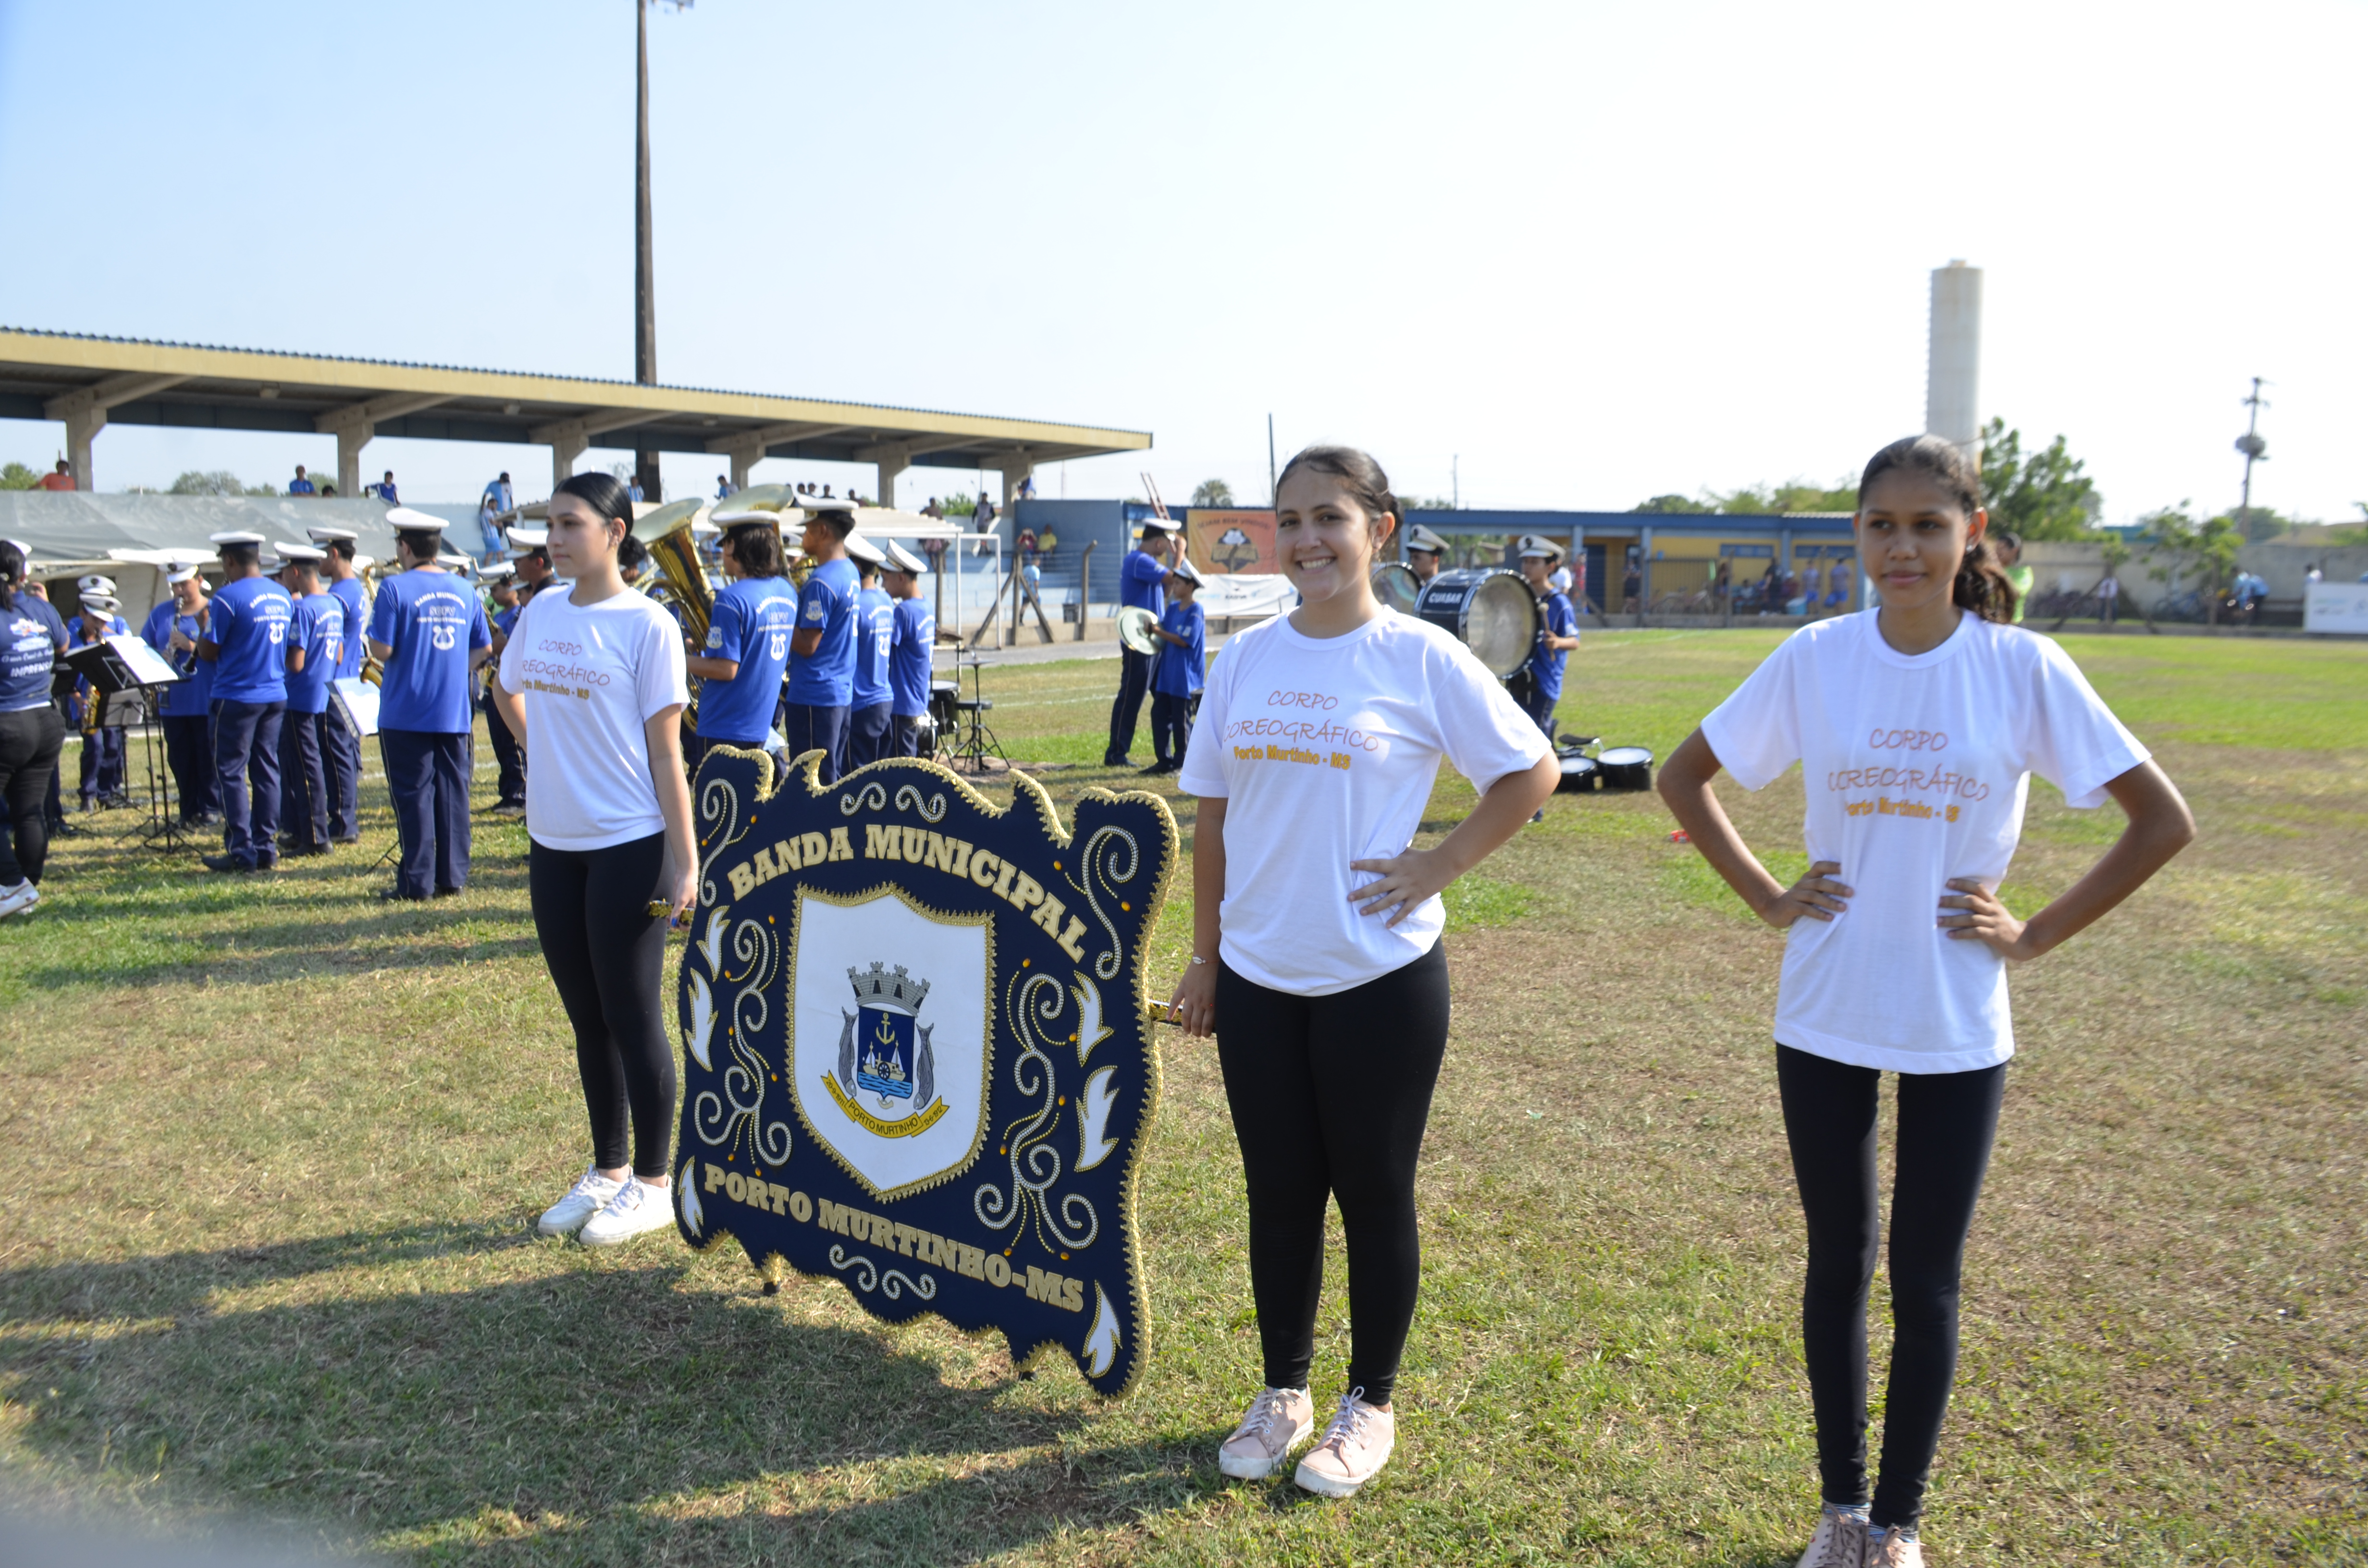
x=2281 y=565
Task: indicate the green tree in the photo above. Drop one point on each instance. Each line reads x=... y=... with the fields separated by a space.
x=2044 y=495
x=1426 y=504
x=1680 y=504
x=1795 y=496
x=960 y=506
x=216 y=482
x=2178 y=547
x=17 y=476
x=1212 y=493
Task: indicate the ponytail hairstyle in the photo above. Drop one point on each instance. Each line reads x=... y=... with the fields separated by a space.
x=12 y=571
x=1981 y=586
x=605 y=493
x=1358 y=473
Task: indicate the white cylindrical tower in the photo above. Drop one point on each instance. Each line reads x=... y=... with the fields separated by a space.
x=1953 y=377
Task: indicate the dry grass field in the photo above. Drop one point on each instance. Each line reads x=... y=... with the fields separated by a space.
x=275 y=1150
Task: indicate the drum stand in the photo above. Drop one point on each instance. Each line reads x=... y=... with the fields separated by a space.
x=971 y=740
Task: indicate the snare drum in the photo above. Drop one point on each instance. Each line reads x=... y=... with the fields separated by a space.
x=1579 y=774
x=1625 y=768
x=1489 y=609
x=1396 y=585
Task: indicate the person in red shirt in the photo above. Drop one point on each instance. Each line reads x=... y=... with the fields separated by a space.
x=62 y=479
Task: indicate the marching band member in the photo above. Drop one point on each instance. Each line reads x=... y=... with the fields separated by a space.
x=532 y=556
x=1557 y=630
x=1178 y=671
x=822 y=674
x=316 y=639
x=912 y=647
x=428 y=630
x=510 y=756
x=871 y=705
x=1898 y=946
x=341 y=753
x=247 y=641
x=1139 y=579
x=1425 y=552
x=172 y=628
x=32 y=731
x=102 y=745
x=747 y=653
x=1315 y=953
x=593 y=678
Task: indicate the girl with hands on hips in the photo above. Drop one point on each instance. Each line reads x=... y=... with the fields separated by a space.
x=1316 y=951
x=1918 y=726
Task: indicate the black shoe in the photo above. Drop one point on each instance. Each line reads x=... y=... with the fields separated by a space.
x=223 y=863
x=267 y=862
x=305 y=851
x=1154 y=770
x=396 y=895
x=349 y=838
x=448 y=892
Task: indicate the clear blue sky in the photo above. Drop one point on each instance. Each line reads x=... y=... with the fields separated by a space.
x=1594 y=252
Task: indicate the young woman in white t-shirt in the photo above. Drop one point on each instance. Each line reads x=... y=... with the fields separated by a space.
x=592 y=681
x=1918 y=726
x=1315 y=928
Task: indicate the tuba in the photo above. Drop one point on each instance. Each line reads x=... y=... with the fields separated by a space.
x=685 y=591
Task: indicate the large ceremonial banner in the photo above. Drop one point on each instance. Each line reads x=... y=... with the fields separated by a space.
x=915 y=1054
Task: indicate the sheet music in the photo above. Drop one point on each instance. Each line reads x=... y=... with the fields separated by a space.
x=148 y=667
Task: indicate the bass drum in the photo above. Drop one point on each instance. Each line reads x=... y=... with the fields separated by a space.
x=1396 y=585
x=1491 y=611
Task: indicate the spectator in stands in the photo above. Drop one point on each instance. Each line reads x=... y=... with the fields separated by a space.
x=633 y=489
x=1631 y=584
x=725 y=488
x=59 y=478
x=2109 y=597
x=300 y=485
x=933 y=509
x=982 y=521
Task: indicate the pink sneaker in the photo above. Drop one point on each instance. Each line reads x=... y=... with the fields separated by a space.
x=1353 y=1449
x=1277 y=1422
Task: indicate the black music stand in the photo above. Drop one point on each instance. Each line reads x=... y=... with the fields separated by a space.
x=973 y=741
x=125 y=676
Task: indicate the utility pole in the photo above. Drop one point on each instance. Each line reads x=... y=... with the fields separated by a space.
x=2255 y=450
x=1269 y=460
x=1455 y=481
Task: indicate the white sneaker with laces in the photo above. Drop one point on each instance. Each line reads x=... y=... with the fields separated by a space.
x=16 y=900
x=1841 y=1541
x=1277 y=1422
x=1352 y=1449
x=586 y=1197
x=637 y=1208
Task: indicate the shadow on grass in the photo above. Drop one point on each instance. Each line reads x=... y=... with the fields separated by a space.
x=599 y=1411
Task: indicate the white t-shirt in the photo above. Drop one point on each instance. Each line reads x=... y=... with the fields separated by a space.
x=1324 y=750
x=1916 y=768
x=590 y=679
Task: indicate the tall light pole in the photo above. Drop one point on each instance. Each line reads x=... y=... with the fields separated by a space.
x=646 y=302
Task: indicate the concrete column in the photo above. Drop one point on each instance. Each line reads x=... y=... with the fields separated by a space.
x=1014 y=468
x=888 y=468
x=564 y=450
x=351 y=439
x=743 y=458
x=80 y=429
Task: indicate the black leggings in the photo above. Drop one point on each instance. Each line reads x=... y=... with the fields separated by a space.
x=1329 y=1097
x=608 y=957
x=1946 y=1123
x=29 y=743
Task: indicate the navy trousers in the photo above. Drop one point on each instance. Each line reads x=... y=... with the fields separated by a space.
x=808 y=728
x=247 y=752
x=341 y=757
x=1540 y=706
x=907 y=734
x=189 y=755
x=869 y=732
x=510 y=758
x=1171 y=727
x=428 y=778
x=304 y=782
x=1134 y=680
x=102 y=764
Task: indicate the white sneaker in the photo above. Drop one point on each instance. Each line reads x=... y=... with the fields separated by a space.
x=16 y=900
x=1277 y=1422
x=586 y=1197
x=1841 y=1541
x=1353 y=1449
x=638 y=1207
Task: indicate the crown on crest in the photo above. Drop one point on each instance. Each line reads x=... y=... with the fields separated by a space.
x=893 y=987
